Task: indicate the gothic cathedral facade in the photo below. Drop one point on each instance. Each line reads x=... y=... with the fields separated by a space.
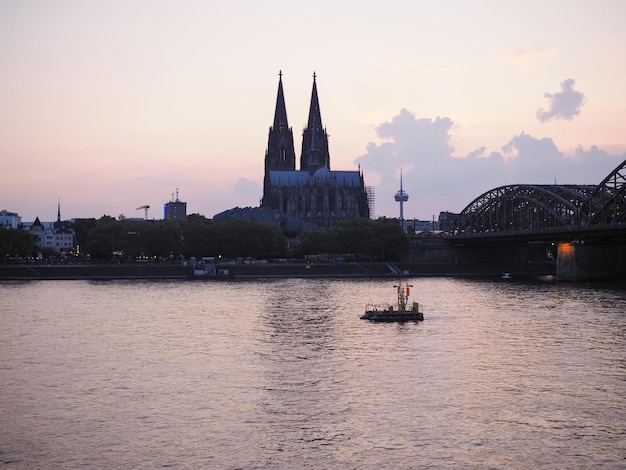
x=314 y=194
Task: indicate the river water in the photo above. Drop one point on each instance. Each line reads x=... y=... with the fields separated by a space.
x=284 y=374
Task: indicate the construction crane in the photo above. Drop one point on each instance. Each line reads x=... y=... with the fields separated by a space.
x=145 y=208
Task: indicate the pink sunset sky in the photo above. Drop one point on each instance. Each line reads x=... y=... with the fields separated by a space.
x=111 y=105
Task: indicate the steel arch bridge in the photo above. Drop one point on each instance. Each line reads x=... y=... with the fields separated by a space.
x=538 y=208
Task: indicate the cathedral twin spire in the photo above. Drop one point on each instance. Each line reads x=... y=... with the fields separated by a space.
x=280 y=115
x=315 y=153
x=280 y=153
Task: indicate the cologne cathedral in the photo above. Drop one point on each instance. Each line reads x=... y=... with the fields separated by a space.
x=313 y=197
x=314 y=194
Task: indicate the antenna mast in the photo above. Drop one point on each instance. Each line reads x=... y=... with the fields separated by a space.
x=401 y=197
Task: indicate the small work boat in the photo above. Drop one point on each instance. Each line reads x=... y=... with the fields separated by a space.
x=401 y=313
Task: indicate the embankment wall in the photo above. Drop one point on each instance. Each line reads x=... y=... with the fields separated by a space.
x=94 y=271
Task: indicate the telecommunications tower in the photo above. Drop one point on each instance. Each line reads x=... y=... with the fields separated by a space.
x=401 y=197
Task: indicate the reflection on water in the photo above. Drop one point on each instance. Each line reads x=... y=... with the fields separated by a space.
x=284 y=374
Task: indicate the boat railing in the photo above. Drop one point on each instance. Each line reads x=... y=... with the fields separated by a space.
x=378 y=307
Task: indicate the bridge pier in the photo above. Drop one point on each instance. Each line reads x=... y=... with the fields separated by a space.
x=580 y=262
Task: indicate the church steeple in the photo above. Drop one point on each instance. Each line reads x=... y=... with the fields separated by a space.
x=280 y=153
x=315 y=153
x=58 y=224
x=280 y=114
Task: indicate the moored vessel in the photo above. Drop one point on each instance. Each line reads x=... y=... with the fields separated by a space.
x=401 y=313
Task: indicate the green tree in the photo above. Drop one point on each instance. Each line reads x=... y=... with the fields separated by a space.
x=391 y=243
x=311 y=243
x=163 y=239
x=131 y=242
x=81 y=228
x=274 y=242
x=380 y=239
x=321 y=242
x=356 y=237
x=243 y=238
x=104 y=238
x=16 y=243
x=198 y=238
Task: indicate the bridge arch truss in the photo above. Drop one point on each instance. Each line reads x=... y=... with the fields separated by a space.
x=524 y=207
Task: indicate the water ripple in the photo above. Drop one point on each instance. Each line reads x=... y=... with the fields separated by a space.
x=284 y=374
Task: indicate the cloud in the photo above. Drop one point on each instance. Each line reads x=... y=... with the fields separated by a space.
x=532 y=160
x=563 y=105
x=529 y=147
x=478 y=153
x=595 y=162
x=433 y=176
x=410 y=142
x=438 y=180
x=246 y=189
x=409 y=132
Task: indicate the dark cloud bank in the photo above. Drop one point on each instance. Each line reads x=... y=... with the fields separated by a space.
x=437 y=179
